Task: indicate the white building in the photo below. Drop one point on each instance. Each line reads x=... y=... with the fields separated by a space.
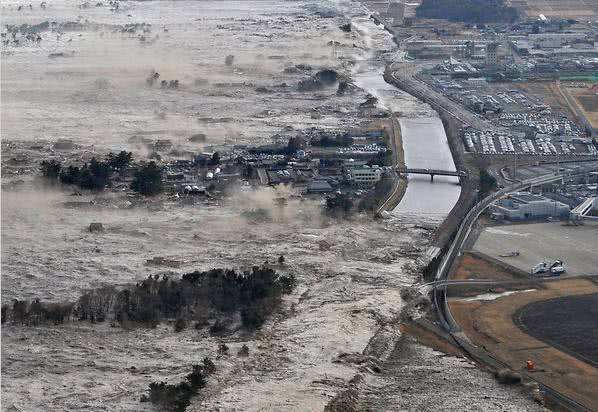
x=365 y=175
x=525 y=205
x=588 y=209
x=555 y=40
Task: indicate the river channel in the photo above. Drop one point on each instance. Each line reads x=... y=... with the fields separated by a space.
x=424 y=140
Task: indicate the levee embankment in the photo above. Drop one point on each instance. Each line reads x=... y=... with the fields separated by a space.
x=400 y=183
x=469 y=185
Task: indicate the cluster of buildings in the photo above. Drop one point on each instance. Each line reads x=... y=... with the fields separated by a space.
x=313 y=170
x=555 y=44
x=574 y=200
x=527 y=206
x=525 y=50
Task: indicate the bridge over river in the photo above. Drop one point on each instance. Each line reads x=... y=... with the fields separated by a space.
x=432 y=172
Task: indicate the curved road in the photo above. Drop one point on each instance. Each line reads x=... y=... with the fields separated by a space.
x=463 y=233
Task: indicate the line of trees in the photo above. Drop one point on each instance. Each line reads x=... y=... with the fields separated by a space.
x=200 y=296
x=470 y=11
x=98 y=174
x=332 y=141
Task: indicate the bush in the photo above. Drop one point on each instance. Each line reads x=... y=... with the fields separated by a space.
x=487 y=182
x=119 y=161
x=177 y=397
x=95 y=176
x=218 y=328
x=4 y=313
x=288 y=283
x=253 y=316
x=295 y=144
x=223 y=349
x=383 y=158
x=243 y=351
x=51 y=169
x=215 y=159
x=148 y=179
x=37 y=312
x=70 y=176
x=180 y=325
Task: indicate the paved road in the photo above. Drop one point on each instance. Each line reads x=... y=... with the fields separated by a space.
x=398 y=185
x=456 y=247
x=405 y=75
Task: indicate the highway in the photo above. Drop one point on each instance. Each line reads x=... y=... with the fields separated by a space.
x=439 y=296
x=404 y=76
x=421 y=90
x=527 y=281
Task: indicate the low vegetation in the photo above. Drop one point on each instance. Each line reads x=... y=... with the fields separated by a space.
x=374 y=198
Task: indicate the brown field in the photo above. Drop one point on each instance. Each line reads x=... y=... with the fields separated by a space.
x=476 y=266
x=549 y=94
x=587 y=100
x=558 y=8
x=489 y=324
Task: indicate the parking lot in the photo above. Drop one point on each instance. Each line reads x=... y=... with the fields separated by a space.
x=492 y=143
x=537 y=242
x=528 y=172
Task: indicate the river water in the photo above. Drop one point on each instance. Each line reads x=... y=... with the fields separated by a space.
x=96 y=94
x=424 y=140
x=425 y=146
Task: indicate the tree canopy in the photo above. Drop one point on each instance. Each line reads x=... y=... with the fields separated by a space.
x=148 y=179
x=471 y=11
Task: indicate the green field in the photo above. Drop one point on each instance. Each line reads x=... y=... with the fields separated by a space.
x=585 y=77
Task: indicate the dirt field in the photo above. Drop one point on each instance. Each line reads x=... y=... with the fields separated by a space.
x=549 y=94
x=472 y=266
x=558 y=8
x=544 y=321
x=587 y=101
x=490 y=324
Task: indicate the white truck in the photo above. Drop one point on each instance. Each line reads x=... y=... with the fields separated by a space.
x=557 y=267
x=554 y=269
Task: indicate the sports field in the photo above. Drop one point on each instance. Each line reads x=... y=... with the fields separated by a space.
x=567 y=323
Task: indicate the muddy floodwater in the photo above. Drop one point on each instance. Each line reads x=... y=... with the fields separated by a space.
x=80 y=89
